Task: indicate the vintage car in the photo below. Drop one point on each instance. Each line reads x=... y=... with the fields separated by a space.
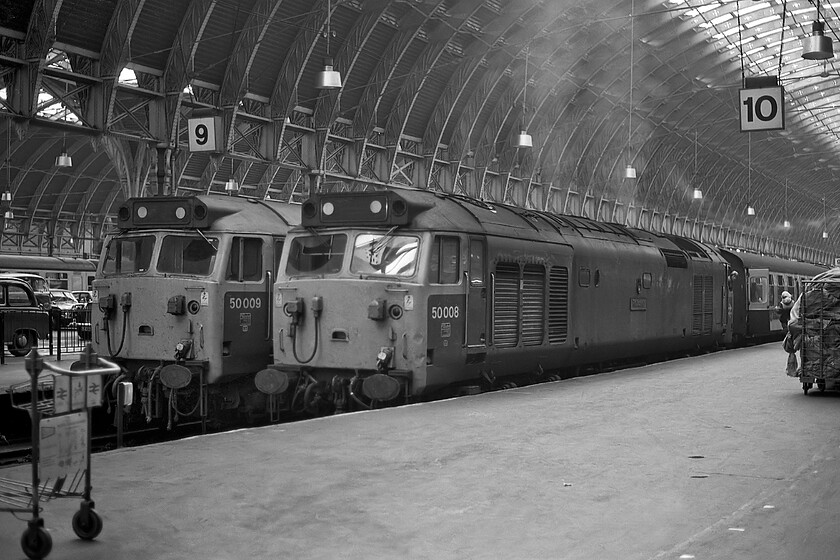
x=24 y=322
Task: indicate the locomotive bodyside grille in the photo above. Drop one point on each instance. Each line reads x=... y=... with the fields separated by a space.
x=702 y=306
x=533 y=305
x=506 y=305
x=558 y=305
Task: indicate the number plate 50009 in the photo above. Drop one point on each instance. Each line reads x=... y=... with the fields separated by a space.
x=245 y=303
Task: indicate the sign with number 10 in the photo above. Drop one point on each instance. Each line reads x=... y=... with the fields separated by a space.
x=762 y=109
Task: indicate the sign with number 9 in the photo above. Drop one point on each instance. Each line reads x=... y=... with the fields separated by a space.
x=203 y=134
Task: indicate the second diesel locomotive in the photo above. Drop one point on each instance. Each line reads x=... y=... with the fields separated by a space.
x=182 y=301
x=384 y=296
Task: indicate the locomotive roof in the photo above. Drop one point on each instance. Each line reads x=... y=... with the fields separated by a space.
x=437 y=211
x=210 y=211
x=250 y=215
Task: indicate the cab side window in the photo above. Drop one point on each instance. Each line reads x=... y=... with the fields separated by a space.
x=245 y=261
x=446 y=256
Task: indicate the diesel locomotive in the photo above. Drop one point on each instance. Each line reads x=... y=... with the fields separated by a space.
x=388 y=296
x=182 y=301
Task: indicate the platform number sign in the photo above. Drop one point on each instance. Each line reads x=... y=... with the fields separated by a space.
x=205 y=132
x=762 y=109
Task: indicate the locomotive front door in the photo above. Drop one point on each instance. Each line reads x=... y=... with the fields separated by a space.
x=477 y=296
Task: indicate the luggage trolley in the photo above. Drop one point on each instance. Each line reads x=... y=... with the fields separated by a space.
x=59 y=406
x=820 y=322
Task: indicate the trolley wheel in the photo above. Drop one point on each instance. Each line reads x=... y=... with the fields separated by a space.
x=806 y=387
x=87 y=524
x=36 y=542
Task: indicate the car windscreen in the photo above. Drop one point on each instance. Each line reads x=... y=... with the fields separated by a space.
x=187 y=254
x=128 y=255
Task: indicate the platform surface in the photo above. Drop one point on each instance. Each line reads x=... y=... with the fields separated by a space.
x=719 y=456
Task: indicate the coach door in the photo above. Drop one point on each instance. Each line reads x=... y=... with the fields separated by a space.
x=477 y=296
x=759 y=301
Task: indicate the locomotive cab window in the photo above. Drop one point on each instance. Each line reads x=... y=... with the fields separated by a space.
x=584 y=277
x=316 y=254
x=245 y=262
x=476 y=262
x=128 y=255
x=187 y=254
x=391 y=255
x=446 y=256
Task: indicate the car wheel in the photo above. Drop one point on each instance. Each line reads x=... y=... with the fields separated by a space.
x=22 y=342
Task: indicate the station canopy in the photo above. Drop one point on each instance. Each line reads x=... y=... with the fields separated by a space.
x=712 y=119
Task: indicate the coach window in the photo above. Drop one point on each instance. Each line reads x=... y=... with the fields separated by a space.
x=476 y=262
x=446 y=254
x=584 y=277
x=245 y=261
x=758 y=289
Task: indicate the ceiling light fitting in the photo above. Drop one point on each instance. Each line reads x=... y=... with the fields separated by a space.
x=523 y=139
x=698 y=194
x=817 y=46
x=630 y=171
x=328 y=78
x=64 y=160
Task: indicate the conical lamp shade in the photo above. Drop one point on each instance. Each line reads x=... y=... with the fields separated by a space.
x=523 y=140
x=817 y=46
x=64 y=160
x=630 y=172
x=328 y=78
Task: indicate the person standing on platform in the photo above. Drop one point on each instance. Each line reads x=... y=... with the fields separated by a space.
x=784 y=308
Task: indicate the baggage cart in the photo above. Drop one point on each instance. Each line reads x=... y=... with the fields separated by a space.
x=819 y=321
x=59 y=405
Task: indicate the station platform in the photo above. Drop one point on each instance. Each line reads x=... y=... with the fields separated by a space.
x=719 y=456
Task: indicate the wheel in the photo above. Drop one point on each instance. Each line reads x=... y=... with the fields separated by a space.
x=316 y=399
x=36 y=542
x=821 y=385
x=806 y=387
x=22 y=342
x=87 y=524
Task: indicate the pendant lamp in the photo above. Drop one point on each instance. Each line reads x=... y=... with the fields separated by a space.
x=523 y=139
x=328 y=78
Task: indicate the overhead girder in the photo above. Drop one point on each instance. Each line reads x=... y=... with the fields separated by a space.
x=372 y=144
x=328 y=105
x=114 y=55
x=354 y=144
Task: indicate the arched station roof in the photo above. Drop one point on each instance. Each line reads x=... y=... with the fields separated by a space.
x=434 y=95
